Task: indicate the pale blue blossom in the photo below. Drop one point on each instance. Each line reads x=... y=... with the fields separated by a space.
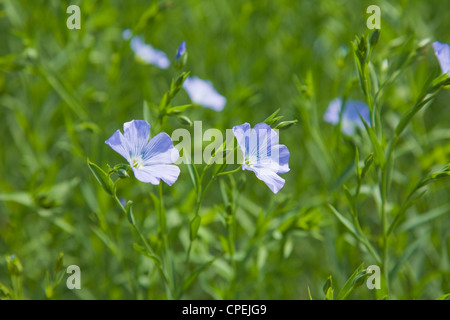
x=202 y=92
x=127 y=34
x=350 y=115
x=263 y=154
x=145 y=52
x=151 y=161
x=442 y=52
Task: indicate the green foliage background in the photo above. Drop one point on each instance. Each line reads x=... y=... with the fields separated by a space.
x=64 y=92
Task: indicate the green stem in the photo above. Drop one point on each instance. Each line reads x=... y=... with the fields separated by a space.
x=385 y=183
x=165 y=239
x=197 y=209
x=143 y=240
x=231 y=226
x=229 y=172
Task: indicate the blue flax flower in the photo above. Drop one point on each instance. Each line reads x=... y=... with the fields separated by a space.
x=151 y=160
x=202 y=92
x=145 y=52
x=442 y=52
x=350 y=115
x=263 y=154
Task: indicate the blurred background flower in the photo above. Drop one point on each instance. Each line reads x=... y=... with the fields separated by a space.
x=202 y=92
x=442 y=52
x=145 y=52
x=350 y=116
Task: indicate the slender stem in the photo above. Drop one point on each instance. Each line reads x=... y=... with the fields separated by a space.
x=164 y=236
x=231 y=226
x=197 y=209
x=385 y=182
x=229 y=172
x=143 y=240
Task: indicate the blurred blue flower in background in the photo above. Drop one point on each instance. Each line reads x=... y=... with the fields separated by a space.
x=442 y=52
x=202 y=92
x=263 y=154
x=151 y=160
x=127 y=34
x=350 y=115
x=145 y=52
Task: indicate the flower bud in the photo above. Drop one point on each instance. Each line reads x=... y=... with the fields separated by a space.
x=373 y=39
x=181 y=57
x=285 y=124
x=185 y=120
x=122 y=174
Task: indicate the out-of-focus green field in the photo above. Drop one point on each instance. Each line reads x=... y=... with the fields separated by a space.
x=64 y=92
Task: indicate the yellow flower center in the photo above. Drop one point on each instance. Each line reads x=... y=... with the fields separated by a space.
x=136 y=162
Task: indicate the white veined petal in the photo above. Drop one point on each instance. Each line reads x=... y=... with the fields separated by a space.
x=270 y=178
x=119 y=144
x=136 y=133
x=241 y=133
x=155 y=173
x=262 y=138
x=160 y=150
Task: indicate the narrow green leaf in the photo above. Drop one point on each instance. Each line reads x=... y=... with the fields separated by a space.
x=191 y=278
x=156 y=202
x=179 y=109
x=224 y=243
x=367 y=163
x=195 y=178
x=349 y=197
x=59 y=265
x=358 y=170
x=309 y=294
x=328 y=284
x=343 y=177
x=351 y=283
x=379 y=155
x=351 y=227
x=288 y=247
x=344 y=221
x=407 y=253
x=23 y=198
x=5 y=292
x=424 y=218
x=401 y=212
x=269 y=119
x=177 y=83
x=195 y=225
x=146 y=112
x=102 y=177
x=330 y=294
x=410 y=114
x=130 y=215
x=444 y=297
x=106 y=240
x=138 y=248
